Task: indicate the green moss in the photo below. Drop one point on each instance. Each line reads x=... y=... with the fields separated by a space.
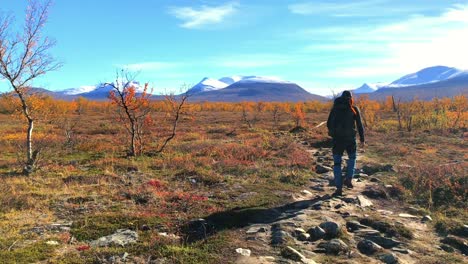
x=29 y=254
x=96 y=226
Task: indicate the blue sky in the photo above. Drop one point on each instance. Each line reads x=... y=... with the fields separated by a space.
x=321 y=45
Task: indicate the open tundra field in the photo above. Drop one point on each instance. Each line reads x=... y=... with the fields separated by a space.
x=239 y=183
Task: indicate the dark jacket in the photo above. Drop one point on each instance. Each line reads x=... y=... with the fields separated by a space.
x=342 y=121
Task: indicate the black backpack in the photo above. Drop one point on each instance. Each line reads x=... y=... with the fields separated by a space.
x=342 y=120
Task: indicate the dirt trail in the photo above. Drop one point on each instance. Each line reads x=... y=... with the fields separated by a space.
x=384 y=229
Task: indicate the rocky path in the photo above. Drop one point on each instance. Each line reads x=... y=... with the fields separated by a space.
x=362 y=226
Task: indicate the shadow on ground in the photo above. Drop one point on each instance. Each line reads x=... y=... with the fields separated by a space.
x=241 y=217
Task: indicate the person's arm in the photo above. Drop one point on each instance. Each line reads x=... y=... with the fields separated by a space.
x=330 y=121
x=360 y=127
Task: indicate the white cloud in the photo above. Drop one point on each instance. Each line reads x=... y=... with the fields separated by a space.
x=363 y=8
x=148 y=66
x=205 y=15
x=398 y=48
x=247 y=61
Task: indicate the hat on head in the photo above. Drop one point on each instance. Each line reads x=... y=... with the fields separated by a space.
x=347 y=94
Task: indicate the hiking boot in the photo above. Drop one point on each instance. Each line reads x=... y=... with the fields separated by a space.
x=338 y=192
x=349 y=183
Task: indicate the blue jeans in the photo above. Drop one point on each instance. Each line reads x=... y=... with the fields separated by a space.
x=338 y=150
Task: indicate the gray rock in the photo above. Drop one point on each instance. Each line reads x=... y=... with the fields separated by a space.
x=317 y=205
x=334 y=247
x=279 y=237
x=121 y=237
x=354 y=225
x=256 y=229
x=375 y=192
x=368 y=247
x=350 y=200
x=401 y=250
x=298 y=231
x=457 y=243
x=322 y=169
x=303 y=237
x=290 y=253
x=367 y=232
x=463 y=231
x=447 y=248
x=332 y=229
x=197 y=229
x=244 y=252
x=383 y=241
x=364 y=202
x=426 y=218
x=389 y=258
x=316 y=233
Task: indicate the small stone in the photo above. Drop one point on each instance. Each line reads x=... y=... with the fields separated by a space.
x=145 y=228
x=348 y=200
x=426 y=218
x=256 y=229
x=52 y=243
x=407 y=215
x=401 y=250
x=298 y=231
x=317 y=205
x=338 y=206
x=368 y=247
x=389 y=258
x=364 y=202
x=332 y=229
x=306 y=192
x=244 y=252
x=279 y=237
x=367 y=232
x=316 y=233
x=334 y=247
x=320 y=169
x=121 y=237
x=383 y=241
x=354 y=225
x=375 y=192
x=290 y=253
x=303 y=237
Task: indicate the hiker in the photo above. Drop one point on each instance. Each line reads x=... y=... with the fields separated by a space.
x=342 y=121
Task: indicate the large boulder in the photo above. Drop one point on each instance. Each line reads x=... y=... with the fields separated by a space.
x=121 y=237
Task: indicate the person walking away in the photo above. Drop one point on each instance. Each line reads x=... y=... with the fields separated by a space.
x=342 y=122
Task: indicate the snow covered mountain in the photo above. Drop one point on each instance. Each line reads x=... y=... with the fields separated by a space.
x=428 y=75
x=95 y=92
x=369 y=87
x=251 y=88
x=209 y=84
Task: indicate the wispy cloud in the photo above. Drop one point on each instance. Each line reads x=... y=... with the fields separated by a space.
x=396 y=48
x=148 y=66
x=252 y=61
x=362 y=8
x=194 y=18
x=336 y=8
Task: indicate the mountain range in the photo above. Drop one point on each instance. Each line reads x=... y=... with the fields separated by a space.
x=437 y=81
x=426 y=84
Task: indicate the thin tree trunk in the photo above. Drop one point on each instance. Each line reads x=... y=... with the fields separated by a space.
x=29 y=147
